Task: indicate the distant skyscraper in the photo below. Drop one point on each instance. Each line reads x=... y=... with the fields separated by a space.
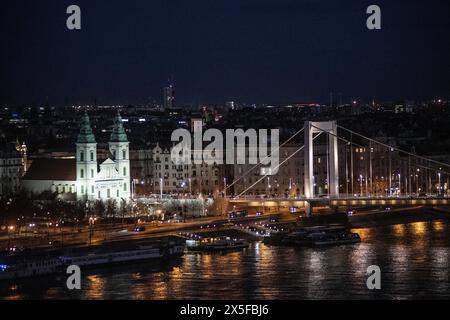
x=230 y=105
x=169 y=97
x=197 y=124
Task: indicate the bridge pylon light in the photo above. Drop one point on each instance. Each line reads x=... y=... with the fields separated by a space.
x=330 y=128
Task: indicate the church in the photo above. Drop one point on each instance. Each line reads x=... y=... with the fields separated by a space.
x=83 y=178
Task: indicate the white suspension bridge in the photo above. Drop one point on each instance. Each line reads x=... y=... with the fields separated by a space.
x=407 y=180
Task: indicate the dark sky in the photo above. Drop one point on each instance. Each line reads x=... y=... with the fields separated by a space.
x=273 y=51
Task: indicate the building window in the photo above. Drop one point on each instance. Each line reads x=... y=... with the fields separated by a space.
x=117 y=193
x=92 y=156
x=108 y=193
x=81 y=173
x=92 y=173
x=124 y=154
x=81 y=156
x=82 y=189
x=124 y=172
x=114 y=154
x=125 y=187
x=93 y=191
x=99 y=195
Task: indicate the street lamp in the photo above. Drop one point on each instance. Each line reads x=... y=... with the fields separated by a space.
x=91 y=228
x=417 y=184
x=361 y=184
x=290 y=187
x=399 y=184
x=10 y=228
x=439 y=183
x=225 y=187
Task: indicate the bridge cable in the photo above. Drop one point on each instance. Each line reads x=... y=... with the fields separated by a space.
x=392 y=148
x=395 y=148
x=277 y=149
x=263 y=177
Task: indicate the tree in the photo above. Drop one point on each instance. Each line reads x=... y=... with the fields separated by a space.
x=111 y=209
x=80 y=210
x=99 y=208
x=124 y=208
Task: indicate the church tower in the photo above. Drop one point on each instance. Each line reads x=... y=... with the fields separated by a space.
x=86 y=161
x=120 y=150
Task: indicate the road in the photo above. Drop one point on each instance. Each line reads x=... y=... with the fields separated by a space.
x=106 y=233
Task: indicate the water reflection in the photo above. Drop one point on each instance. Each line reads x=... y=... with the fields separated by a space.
x=365 y=234
x=419 y=228
x=438 y=226
x=414 y=259
x=399 y=230
x=96 y=286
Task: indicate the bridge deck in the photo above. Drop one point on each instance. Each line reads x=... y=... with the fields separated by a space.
x=342 y=201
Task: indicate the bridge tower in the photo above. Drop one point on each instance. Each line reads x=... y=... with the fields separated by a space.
x=311 y=128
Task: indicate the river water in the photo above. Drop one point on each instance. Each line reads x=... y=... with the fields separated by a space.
x=414 y=260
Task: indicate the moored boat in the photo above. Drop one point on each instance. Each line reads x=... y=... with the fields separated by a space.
x=316 y=236
x=216 y=244
x=135 y=253
x=11 y=269
x=48 y=262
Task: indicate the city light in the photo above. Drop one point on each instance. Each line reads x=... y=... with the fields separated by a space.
x=219 y=150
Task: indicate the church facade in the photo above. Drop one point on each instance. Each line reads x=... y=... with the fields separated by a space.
x=84 y=178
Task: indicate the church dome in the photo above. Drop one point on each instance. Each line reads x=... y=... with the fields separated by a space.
x=86 y=135
x=118 y=133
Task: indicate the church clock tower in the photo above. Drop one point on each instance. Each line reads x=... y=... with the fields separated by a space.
x=86 y=161
x=120 y=150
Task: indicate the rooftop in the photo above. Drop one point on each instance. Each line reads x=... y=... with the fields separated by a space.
x=52 y=169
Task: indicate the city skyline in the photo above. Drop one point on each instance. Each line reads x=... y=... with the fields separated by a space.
x=260 y=151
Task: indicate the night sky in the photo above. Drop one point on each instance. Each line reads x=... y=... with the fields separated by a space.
x=255 y=51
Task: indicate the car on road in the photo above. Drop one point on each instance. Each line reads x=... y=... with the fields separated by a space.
x=139 y=229
x=54 y=243
x=351 y=213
